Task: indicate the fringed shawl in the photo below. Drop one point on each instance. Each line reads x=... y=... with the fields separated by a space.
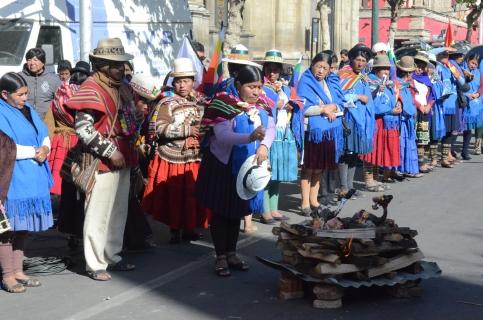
x=28 y=193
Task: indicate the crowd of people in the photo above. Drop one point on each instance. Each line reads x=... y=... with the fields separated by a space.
x=108 y=145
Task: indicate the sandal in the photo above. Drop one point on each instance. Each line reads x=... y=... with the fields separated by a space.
x=221 y=267
x=29 y=282
x=236 y=263
x=374 y=188
x=120 y=266
x=99 y=275
x=250 y=229
x=16 y=288
x=414 y=175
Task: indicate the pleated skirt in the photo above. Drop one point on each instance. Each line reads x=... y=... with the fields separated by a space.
x=216 y=188
x=169 y=196
x=283 y=156
x=386 y=147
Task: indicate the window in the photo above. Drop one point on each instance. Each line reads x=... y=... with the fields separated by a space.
x=14 y=35
x=51 y=35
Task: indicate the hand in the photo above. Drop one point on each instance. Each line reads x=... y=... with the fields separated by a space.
x=397 y=109
x=261 y=154
x=41 y=154
x=195 y=131
x=289 y=107
x=117 y=160
x=280 y=104
x=258 y=134
x=363 y=98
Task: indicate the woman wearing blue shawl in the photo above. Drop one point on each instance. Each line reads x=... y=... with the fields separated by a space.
x=424 y=99
x=386 y=136
x=409 y=154
x=324 y=138
x=436 y=123
x=452 y=77
x=472 y=112
x=27 y=203
x=358 y=115
x=289 y=135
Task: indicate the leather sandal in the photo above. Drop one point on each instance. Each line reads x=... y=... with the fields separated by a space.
x=236 y=263
x=221 y=267
x=99 y=275
x=29 y=282
x=16 y=288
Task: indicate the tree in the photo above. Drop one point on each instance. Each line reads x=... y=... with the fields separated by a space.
x=234 y=24
x=395 y=5
x=324 y=11
x=475 y=7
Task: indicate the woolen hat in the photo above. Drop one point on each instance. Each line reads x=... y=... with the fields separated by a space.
x=83 y=67
x=145 y=86
x=406 y=64
x=239 y=55
x=252 y=178
x=110 y=49
x=381 y=61
x=183 y=67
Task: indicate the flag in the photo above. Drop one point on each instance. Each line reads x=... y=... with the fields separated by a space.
x=392 y=60
x=297 y=71
x=214 y=75
x=187 y=51
x=448 y=39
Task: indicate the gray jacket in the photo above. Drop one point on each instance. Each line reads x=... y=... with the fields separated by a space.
x=42 y=89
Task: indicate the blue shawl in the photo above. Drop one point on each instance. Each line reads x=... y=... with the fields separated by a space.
x=241 y=152
x=409 y=109
x=472 y=114
x=320 y=128
x=449 y=83
x=384 y=102
x=438 y=126
x=28 y=193
x=228 y=86
x=362 y=116
x=297 y=121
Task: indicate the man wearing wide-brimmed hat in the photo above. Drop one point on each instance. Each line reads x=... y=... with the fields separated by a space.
x=106 y=123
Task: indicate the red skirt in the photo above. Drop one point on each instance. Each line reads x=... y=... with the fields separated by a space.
x=386 y=151
x=60 y=145
x=319 y=156
x=169 y=196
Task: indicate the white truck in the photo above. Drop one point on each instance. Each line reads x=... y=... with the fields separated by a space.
x=151 y=30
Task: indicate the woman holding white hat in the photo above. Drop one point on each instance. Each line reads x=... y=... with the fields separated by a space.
x=239 y=126
x=169 y=195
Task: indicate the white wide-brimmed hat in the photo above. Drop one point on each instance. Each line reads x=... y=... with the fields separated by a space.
x=183 y=67
x=239 y=55
x=252 y=178
x=145 y=86
x=380 y=46
x=110 y=49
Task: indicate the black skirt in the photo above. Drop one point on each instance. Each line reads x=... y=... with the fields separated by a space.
x=216 y=188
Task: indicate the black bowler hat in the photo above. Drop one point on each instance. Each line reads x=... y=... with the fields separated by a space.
x=82 y=67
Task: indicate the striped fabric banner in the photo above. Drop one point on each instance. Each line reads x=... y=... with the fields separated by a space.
x=214 y=75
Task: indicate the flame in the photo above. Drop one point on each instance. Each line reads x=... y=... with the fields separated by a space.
x=347 y=248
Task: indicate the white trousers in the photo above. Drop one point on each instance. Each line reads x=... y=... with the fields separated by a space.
x=105 y=219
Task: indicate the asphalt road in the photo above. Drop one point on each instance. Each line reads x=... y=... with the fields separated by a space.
x=178 y=282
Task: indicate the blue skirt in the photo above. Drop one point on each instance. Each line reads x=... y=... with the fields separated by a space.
x=408 y=149
x=283 y=156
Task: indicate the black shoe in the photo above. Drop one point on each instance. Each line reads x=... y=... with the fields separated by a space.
x=266 y=221
x=281 y=218
x=465 y=156
x=191 y=236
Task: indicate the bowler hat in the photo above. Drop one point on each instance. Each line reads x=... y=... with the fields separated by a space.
x=82 y=67
x=406 y=63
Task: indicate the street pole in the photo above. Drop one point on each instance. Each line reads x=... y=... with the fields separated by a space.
x=85 y=8
x=375 y=22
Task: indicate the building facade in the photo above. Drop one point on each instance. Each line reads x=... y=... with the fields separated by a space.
x=418 y=20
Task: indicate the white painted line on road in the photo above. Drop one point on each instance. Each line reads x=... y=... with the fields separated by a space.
x=155 y=283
